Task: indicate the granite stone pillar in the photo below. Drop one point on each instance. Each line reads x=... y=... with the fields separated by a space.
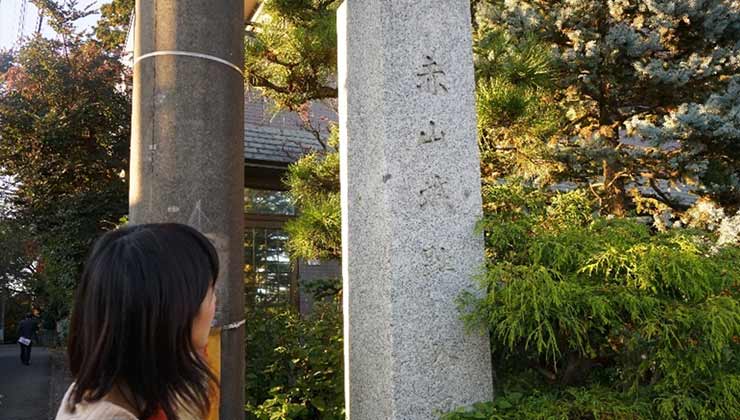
x=187 y=159
x=410 y=200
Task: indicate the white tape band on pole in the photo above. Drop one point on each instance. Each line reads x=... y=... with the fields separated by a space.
x=234 y=325
x=190 y=54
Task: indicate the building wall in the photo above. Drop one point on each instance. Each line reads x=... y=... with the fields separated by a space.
x=273 y=140
x=309 y=271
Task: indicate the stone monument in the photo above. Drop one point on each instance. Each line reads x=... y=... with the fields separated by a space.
x=410 y=200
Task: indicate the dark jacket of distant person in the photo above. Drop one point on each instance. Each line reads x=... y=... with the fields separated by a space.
x=27 y=328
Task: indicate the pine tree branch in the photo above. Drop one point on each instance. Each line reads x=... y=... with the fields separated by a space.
x=596 y=194
x=273 y=58
x=616 y=177
x=308 y=126
x=322 y=92
x=325 y=4
x=665 y=198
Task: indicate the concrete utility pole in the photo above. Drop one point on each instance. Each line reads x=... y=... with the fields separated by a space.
x=187 y=157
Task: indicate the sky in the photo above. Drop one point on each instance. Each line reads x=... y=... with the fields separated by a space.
x=10 y=12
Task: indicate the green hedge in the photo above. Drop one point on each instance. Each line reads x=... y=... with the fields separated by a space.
x=599 y=318
x=294 y=364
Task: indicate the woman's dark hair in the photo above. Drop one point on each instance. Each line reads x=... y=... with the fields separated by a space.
x=131 y=324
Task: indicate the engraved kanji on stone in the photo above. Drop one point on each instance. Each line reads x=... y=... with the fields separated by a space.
x=431 y=134
x=432 y=77
x=433 y=192
x=436 y=258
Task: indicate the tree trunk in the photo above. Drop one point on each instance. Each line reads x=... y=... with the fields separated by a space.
x=614 y=193
x=613 y=201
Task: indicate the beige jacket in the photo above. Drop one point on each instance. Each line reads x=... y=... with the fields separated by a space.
x=106 y=410
x=98 y=410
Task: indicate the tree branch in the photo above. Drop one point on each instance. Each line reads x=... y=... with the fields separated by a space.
x=665 y=198
x=323 y=92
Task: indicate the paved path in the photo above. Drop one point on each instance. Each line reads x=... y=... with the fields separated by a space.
x=25 y=389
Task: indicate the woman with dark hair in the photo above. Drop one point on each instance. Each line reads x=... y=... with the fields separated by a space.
x=140 y=325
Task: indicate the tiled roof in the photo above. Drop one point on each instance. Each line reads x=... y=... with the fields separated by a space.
x=280 y=137
x=280 y=145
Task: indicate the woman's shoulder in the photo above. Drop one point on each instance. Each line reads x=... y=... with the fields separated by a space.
x=98 y=410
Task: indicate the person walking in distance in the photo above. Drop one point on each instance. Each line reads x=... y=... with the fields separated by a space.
x=27 y=331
